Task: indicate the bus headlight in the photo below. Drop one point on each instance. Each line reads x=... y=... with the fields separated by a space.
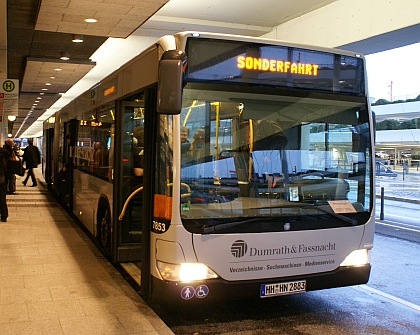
x=356 y=258
x=185 y=272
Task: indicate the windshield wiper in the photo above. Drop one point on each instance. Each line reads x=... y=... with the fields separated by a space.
x=215 y=227
x=343 y=218
x=335 y=215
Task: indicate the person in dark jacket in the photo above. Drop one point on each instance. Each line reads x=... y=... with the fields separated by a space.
x=4 y=156
x=10 y=177
x=31 y=158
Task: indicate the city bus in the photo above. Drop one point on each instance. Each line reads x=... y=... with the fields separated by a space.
x=216 y=166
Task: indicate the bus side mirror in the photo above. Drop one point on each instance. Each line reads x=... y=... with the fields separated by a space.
x=169 y=95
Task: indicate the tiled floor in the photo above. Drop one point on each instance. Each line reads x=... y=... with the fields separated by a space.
x=53 y=280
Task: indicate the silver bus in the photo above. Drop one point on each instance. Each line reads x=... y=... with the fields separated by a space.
x=219 y=166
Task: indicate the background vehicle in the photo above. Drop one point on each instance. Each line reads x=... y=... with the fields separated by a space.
x=270 y=195
x=382 y=170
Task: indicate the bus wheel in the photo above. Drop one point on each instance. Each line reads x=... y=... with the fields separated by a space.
x=104 y=229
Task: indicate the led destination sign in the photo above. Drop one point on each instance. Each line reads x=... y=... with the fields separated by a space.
x=211 y=60
x=273 y=65
x=90 y=123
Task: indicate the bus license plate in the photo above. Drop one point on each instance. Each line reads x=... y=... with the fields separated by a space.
x=271 y=290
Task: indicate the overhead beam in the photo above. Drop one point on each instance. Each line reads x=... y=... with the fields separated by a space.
x=365 y=26
x=160 y=23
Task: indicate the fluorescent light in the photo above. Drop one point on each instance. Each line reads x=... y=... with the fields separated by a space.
x=65 y=56
x=77 y=38
x=11 y=118
x=91 y=20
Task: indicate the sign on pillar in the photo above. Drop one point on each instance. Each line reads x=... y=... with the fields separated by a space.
x=9 y=97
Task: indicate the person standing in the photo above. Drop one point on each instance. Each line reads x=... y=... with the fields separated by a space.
x=96 y=163
x=4 y=156
x=185 y=133
x=31 y=157
x=10 y=177
x=185 y=144
x=198 y=146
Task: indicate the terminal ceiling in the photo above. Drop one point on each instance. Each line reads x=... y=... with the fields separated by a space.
x=39 y=31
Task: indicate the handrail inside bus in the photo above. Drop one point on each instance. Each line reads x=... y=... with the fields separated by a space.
x=120 y=217
x=186 y=186
x=182 y=184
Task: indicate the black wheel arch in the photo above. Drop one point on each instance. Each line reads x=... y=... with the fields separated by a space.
x=104 y=239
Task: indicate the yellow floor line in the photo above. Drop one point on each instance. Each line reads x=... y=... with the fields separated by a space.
x=132 y=270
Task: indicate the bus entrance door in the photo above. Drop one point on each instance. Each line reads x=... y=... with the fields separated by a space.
x=65 y=189
x=130 y=194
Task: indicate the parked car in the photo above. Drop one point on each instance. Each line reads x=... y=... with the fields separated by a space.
x=384 y=171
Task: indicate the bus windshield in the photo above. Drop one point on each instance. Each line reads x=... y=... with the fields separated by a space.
x=273 y=156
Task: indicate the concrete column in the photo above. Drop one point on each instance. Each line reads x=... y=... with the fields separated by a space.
x=3 y=57
x=3 y=39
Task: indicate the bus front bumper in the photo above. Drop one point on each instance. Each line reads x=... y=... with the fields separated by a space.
x=219 y=289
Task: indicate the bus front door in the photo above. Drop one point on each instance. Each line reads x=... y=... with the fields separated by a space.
x=129 y=197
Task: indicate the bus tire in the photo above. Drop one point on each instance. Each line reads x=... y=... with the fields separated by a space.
x=104 y=227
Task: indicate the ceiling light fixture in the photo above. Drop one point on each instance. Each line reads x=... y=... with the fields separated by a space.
x=65 y=56
x=57 y=69
x=47 y=84
x=91 y=20
x=11 y=118
x=77 y=38
x=45 y=89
